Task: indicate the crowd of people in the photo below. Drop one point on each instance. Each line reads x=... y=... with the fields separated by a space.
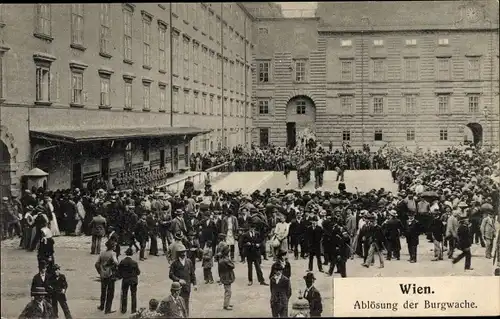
x=449 y=196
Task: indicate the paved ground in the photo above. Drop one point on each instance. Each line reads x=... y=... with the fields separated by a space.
x=72 y=253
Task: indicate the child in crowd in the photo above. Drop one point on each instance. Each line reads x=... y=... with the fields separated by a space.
x=147 y=314
x=208 y=263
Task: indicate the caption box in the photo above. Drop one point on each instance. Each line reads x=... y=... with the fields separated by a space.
x=419 y=296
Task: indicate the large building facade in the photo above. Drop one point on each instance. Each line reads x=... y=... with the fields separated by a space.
x=416 y=73
x=99 y=89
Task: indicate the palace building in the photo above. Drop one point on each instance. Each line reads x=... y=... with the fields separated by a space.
x=413 y=73
x=97 y=89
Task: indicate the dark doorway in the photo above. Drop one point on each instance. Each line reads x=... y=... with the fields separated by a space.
x=76 y=181
x=291 y=135
x=162 y=158
x=264 y=137
x=186 y=155
x=4 y=170
x=477 y=133
x=105 y=168
x=175 y=159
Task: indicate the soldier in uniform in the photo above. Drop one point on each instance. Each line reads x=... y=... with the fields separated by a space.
x=319 y=170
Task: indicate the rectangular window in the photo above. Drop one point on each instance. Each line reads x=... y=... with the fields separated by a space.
x=264 y=136
x=196 y=61
x=43 y=84
x=187 y=105
x=146 y=104
x=443 y=41
x=128 y=94
x=301 y=107
x=77 y=88
x=300 y=70
x=231 y=76
x=411 y=103
x=443 y=103
x=410 y=134
x=212 y=111
x=162 y=47
x=196 y=103
x=204 y=75
x=346 y=70
x=146 y=38
x=212 y=66
x=443 y=134
x=43 y=19
x=443 y=69
x=175 y=99
x=474 y=68
x=346 y=135
x=127 y=34
x=378 y=105
x=219 y=66
x=145 y=153
x=411 y=42
x=263 y=107
x=176 y=52
x=163 y=97
x=77 y=24
x=378 y=43
x=411 y=69
x=186 y=57
x=263 y=71
x=378 y=135
x=473 y=103
x=105 y=33
x=345 y=43
x=105 y=92
x=378 y=70
x=346 y=104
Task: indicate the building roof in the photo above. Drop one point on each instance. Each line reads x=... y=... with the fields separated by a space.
x=90 y=135
x=36 y=172
x=407 y=15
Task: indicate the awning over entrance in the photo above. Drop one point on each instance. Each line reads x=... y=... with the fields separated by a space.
x=91 y=135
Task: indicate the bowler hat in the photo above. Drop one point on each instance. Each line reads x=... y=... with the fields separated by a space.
x=181 y=248
x=129 y=251
x=309 y=276
x=178 y=236
x=110 y=244
x=278 y=266
x=281 y=253
x=175 y=286
x=39 y=291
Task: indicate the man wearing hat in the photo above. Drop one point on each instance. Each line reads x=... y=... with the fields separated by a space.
x=464 y=243
x=106 y=267
x=413 y=230
x=226 y=274
x=281 y=291
x=174 y=247
x=128 y=271
x=251 y=242
x=314 y=233
x=59 y=286
x=392 y=229
x=313 y=296
x=173 y=306
x=42 y=279
x=488 y=231
x=182 y=271
x=38 y=307
x=178 y=225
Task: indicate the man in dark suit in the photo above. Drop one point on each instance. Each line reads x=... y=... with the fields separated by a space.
x=128 y=271
x=413 y=230
x=208 y=232
x=281 y=291
x=182 y=271
x=39 y=307
x=464 y=243
x=178 y=225
x=106 y=268
x=42 y=279
x=142 y=235
x=98 y=230
x=392 y=229
x=314 y=233
x=59 y=287
x=251 y=242
x=173 y=306
x=312 y=295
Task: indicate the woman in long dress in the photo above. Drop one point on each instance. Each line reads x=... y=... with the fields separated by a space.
x=54 y=226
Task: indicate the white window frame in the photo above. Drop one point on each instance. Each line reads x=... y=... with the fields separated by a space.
x=410 y=42
x=264 y=71
x=378 y=106
x=411 y=69
x=263 y=106
x=346 y=104
x=44 y=19
x=77 y=87
x=128 y=17
x=473 y=103
x=146 y=96
x=196 y=61
x=105 y=28
x=411 y=103
x=300 y=70
x=443 y=134
x=410 y=134
x=77 y=23
x=105 y=91
x=346 y=43
x=185 y=53
x=474 y=68
x=378 y=43
x=176 y=53
x=444 y=68
x=300 y=107
x=175 y=99
x=196 y=103
x=443 y=41
x=163 y=97
x=146 y=41
x=128 y=89
x=346 y=135
x=443 y=101
x=346 y=70
x=378 y=70
x=162 y=47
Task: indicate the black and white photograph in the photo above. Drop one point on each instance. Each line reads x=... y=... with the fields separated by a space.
x=237 y=159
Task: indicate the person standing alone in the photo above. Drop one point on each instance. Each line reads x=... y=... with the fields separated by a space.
x=106 y=267
x=128 y=271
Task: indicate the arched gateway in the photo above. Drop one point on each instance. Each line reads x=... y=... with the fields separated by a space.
x=300 y=118
x=477 y=132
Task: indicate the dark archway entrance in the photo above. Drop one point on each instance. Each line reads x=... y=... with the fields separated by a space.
x=5 y=170
x=477 y=133
x=300 y=118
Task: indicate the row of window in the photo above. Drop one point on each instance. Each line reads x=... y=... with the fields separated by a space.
x=44 y=29
x=379 y=69
x=378 y=135
x=408 y=42
x=378 y=104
